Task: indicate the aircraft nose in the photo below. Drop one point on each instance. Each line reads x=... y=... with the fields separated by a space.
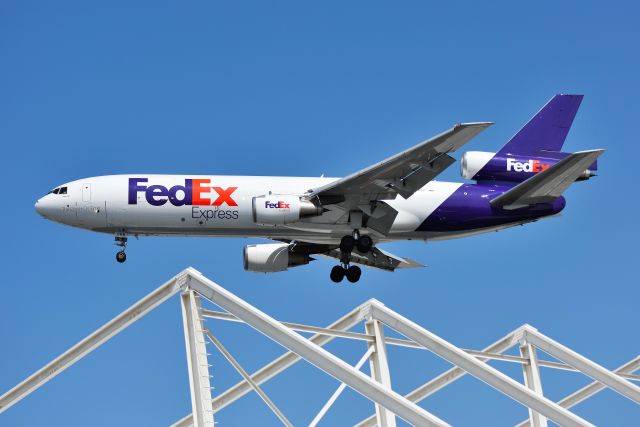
x=38 y=207
x=43 y=207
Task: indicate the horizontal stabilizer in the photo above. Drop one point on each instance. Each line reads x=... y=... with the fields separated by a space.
x=549 y=184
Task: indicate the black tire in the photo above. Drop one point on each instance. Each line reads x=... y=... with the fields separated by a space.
x=365 y=243
x=347 y=244
x=353 y=273
x=337 y=274
x=121 y=257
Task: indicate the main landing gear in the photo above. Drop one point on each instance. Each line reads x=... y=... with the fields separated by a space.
x=348 y=243
x=339 y=272
x=121 y=241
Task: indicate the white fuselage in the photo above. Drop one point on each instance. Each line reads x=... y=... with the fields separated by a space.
x=221 y=206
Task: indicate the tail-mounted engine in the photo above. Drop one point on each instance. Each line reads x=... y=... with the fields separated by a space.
x=482 y=166
x=272 y=257
x=278 y=209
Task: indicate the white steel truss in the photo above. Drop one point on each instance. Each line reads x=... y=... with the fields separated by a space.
x=388 y=404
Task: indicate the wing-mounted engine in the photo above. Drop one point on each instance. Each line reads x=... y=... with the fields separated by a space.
x=279 y=209
x=272 y=257
x=483 y=166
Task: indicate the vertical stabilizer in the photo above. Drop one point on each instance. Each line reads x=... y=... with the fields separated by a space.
x=547 y=130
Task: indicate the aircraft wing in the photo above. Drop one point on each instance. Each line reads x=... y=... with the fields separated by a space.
x=549 y=184
x=404 y=174
x=376 y=258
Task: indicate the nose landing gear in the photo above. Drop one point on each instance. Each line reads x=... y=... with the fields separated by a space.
x=121 y=241
x=121 y=256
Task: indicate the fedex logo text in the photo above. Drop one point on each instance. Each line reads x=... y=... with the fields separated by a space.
x=534 y=166
x=194 y=192
x=277 y=205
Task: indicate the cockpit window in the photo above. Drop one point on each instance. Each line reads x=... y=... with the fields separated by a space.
x=59 y=190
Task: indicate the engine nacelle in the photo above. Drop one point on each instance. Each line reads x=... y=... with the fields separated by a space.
x=278 y=209
x=483 y=166
x=272 y=257
x=472 y=162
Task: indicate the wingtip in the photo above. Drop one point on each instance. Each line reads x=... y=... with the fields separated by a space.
x=476 y=124
x=409 y=263
x=598 y=151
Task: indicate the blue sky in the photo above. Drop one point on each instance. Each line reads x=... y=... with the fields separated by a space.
x=292 y=88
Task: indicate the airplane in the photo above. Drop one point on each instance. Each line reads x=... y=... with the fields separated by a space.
x=345 y=218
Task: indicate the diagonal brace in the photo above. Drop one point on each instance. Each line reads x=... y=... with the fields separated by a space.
x=247 y=378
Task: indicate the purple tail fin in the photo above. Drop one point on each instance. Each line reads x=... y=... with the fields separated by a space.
x=547 y=130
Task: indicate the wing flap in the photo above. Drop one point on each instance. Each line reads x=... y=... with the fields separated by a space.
x=420 y=175
x=549 y=184
x=376 y=258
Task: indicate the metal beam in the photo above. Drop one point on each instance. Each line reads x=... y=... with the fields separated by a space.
x=379 y=367
x=312 y=353
x=591 y=389
x=449 y=376
x=247 y=378
x=93 y=341
x=278 y=365
x=532 y=380
x=584 y=365
x=197 y=361
x=296 y=326
x=338 y=391
x=478 y=369
x=380 y=392
x=213 y=314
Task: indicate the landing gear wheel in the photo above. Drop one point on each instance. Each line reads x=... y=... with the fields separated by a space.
x=365 y=243
x=121 y=257
x=347 y=244
x=337 y=274
x=353 y=273
x=121 y=241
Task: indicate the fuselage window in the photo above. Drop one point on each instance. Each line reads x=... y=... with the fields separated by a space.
x=63 y=190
